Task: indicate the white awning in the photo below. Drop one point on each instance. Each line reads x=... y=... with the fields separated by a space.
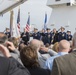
x=7 y=5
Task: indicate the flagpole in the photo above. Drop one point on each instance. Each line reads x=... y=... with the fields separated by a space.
x=18 y=19
x=45 y=21
x=29 y=21
x=29 y=17
x=11 y=21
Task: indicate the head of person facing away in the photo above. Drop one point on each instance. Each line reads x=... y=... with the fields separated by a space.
x=56 y=46
x=64 y=46
x=29 y=57
x=41 y=44
x=35 y=43
x=74 y=41
x=14 y=41
x=3 y=38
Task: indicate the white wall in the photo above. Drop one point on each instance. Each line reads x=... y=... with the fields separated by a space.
x=63 y=16
x=54 y=2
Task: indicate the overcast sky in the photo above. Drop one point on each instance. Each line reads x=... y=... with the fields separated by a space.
x=37 y=9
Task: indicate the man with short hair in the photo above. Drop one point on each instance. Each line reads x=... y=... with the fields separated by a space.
x=64 y=47
x=66 y=65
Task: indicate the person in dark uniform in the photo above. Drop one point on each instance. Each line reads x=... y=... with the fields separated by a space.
x=62 y=35
x=36 y=34
x=43 y=36
x=8 y=33
x=69 y=36
x=48 y=36
x=54 y=36
x=25 y=36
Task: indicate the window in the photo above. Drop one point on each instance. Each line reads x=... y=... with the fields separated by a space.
x=57 y=0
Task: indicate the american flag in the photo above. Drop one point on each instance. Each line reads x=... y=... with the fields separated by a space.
x=45 y=21
x=28 y=23
x=18 y=19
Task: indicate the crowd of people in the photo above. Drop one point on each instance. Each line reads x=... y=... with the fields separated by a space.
x=48 y=53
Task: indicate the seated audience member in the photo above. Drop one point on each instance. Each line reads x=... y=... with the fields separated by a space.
x=30 y=60
x=41 y=59
x=8 y=65
x=66 y=65
x=64 y=47
x=55 y=47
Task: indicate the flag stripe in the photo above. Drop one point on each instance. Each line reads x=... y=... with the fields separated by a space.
x=28 y=24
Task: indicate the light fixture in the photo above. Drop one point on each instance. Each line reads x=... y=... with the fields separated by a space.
x=67 y=26
x=14 y=0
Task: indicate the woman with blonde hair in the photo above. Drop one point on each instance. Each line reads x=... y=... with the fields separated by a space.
x=55 y=47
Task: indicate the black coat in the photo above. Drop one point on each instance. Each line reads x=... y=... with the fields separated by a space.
x=62 y=36
x=48 y=38
x=9 y=66
x=69 y=37
x=8 y=34
x=39 y=71
x=54 y=38
x=25 y=37
x=43 y=37
x=36 y=36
